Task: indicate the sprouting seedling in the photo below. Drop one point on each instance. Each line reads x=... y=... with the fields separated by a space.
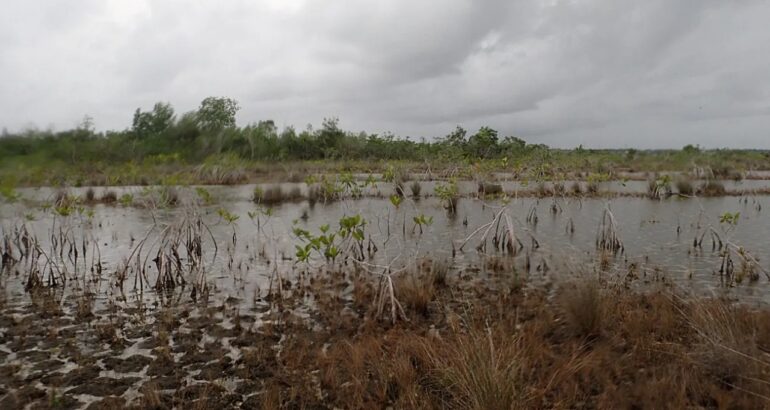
x=730 y=218
x=303 y=252
x=204 y=195
x=328 y=243
x=370 y=181
x=396 y=200
x=448 y=194
x=9 y=193
x=390 y=174
x=254 y=216
x=126 y=199
x=63 y=210
x=420 y=221
x=227 y=216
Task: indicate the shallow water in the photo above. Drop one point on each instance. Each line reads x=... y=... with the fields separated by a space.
x=657 y=234
x=122 y=346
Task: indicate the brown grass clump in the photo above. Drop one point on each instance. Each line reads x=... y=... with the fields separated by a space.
x=475 y=371
x=90 y=195
x=712 y=188
x=583 y=307
x=594 y=344
x=592 y=188
x=151 y=397
x=416 y=291
x=109 y=197
x=729 y=344
x=576 y=188
x=439 y=271
x=684 y=187
x=416 y=188
x=487 y=188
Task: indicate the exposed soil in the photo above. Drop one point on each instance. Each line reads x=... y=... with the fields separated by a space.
x=551 y=346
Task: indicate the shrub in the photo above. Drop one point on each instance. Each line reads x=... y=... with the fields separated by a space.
x=109 y=197
x=684 y=187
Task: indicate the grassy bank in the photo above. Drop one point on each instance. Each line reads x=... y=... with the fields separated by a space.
x=231 y=170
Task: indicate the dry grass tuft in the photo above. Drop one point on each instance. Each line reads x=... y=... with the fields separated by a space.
x=728 y=344
x=416 y=290
x=109 y=197
x=583 y=305
x=477 y=371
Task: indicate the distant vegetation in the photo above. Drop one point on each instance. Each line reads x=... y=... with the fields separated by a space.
x=162 y=144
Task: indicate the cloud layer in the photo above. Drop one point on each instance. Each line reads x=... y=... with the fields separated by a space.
x=603 y=73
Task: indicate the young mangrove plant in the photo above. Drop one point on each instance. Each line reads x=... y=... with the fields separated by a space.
x=397 y=177
x=420 y=221
x=659 y=188
x=449 y=195
x=607 y=236
x=348 y=241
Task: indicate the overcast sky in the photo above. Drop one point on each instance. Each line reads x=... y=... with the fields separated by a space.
x=602 y=73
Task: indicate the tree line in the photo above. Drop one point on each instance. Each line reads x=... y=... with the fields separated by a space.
x=211 y=129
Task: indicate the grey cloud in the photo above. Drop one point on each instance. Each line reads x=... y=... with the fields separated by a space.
x=593 y=72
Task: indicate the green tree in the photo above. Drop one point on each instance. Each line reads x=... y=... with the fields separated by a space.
x=456 y=138
x=483 y=144
x=217 y=113
x=330 y=136
x=691 y=149
x=153 y=123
